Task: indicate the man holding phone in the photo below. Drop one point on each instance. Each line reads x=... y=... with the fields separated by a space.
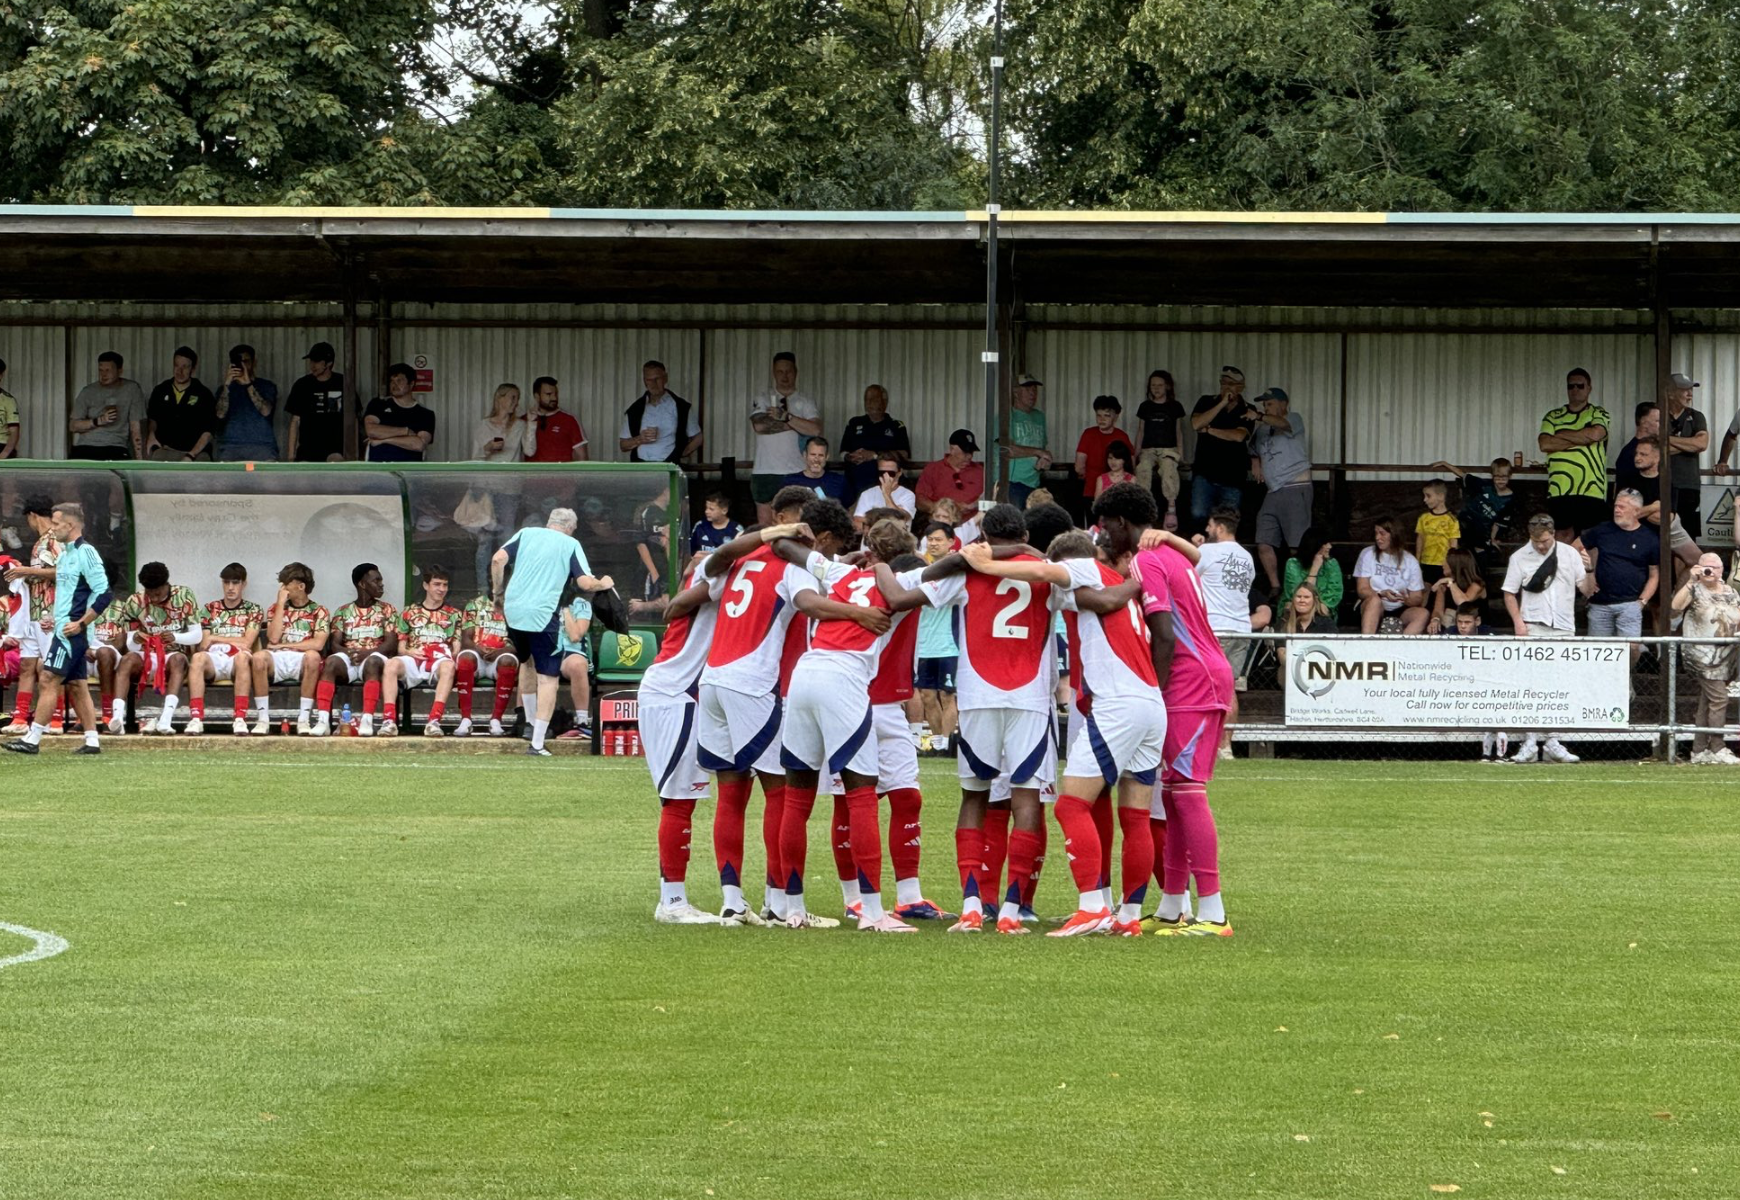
x=245 y=408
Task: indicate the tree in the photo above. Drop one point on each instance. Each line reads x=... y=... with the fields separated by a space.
x=1404 y=104
x=755 y=104
x=210 y=101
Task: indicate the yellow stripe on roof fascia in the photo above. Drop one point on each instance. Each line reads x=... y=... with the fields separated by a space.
x=1100 y=216
x=402 y=213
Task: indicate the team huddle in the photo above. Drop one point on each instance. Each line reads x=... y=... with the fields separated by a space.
x=789 y=657
x=70 y=627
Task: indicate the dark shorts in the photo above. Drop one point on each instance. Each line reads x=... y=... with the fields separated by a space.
x=66 y=657
x=765 y=487
x=542 y=649
x=1686 y=502
x=1579 y=512
x=936 y=674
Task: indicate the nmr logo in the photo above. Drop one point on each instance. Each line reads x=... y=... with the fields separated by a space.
x=1316 y=670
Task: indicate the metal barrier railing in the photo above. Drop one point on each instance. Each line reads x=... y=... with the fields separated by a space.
x=1403 y=690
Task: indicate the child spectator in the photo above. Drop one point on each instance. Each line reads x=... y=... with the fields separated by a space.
x=1488 y=508
x=1157 y=420
x=1090 y=449
x=716 y=528
x=576 y=649
x=1117 y=467
x=1461 y=586
x=1494 y=743
x=1315 y=564
x=1392 y=592
x=1437 y=530
x=1038 y=498
x=934 y=681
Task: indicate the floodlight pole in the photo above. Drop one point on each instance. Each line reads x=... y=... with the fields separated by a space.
x=993 y=457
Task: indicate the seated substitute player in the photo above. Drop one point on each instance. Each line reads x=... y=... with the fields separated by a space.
x=1122 y=737
x=365 y=634
x=38 y=578
x=296 y=633
x=485 y=653
x=827 y=726
x=232 y=632
x=163 y=625
x=758 y=592
x=428 y=638
x=576 y=650
x=667 y=735
x=1197 y=683
x=81 y=592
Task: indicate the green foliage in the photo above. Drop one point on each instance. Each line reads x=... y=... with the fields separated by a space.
x=755 y=104
x=1409 y=104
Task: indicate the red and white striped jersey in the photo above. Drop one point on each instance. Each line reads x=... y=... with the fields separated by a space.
x=755 y=608
x=1003 y=632
x=683 y=653
x=1109 y=655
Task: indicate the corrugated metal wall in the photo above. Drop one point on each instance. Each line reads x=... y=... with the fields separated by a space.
x=1411 y=395
x=35 y=357
x=1076 y=365
x=1468 y=398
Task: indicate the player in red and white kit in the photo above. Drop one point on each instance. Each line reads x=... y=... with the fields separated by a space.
x=1122 y=734
x=1197 y=683
x=365 y=634
x=1008 y=717
x=232 y=631
x=739 y=714
x=827 y=729
x=39 y=581
x=484 y=653
x=429 y=636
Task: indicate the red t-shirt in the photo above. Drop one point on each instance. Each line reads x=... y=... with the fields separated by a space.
x=1093 y=444
x=939 y=481
x=559 y=435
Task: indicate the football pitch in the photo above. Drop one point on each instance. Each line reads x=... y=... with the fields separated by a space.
x=436 y=975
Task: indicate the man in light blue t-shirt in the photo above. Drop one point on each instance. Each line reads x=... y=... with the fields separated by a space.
x=542 y=562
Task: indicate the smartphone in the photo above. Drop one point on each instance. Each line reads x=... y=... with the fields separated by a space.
x=236 y=359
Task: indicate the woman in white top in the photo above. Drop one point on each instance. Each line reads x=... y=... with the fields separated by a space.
x=1391 y=587
x=498 y=438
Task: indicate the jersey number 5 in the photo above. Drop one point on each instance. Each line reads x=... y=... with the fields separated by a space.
x=740 y=589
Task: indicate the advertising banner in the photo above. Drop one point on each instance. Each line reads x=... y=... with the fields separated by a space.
x=1458 y=683
x=196 y=535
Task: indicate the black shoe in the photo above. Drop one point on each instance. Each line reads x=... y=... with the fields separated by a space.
x=521 y=728
x=20 y=746
x=87 y=748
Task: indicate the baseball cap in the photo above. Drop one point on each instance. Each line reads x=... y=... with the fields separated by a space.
x=1232 y=373
x=1683 y=381
x=321 y=352
x=1028 y=381
x=1274 y=394
x=965 y=440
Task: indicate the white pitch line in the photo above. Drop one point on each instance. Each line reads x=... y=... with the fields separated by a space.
x=47 y=945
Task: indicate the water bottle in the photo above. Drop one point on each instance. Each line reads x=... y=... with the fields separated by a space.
x=344 y=715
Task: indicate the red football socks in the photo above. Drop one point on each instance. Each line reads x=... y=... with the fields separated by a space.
x=1025 y=847
x=438 y=710
x=464 y=676
x=1032 y=883
x=323 y=696
x=970 y=861
x=1081 y=841
x=27 y=706
x=371 y=696
x=1104 y=822
x=903 y=830
x=772 y=825
x=196 y=709
x=504 y=695
x=996 y=848
x=1138 y=854
x=241 y=707
x=866 y=838
x=392 y=712
x=675 y=817
x=794 y=836
x=728 y=830
x=1157 y=834
x=844 y=867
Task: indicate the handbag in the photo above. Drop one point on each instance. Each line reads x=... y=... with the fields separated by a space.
x=476 y=511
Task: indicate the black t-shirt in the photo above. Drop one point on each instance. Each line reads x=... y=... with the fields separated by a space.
x=1623 y=560
x=886 y=436
x=320 y=406
x=1218 y=460
x=180 y=423
x=416 y=418
x=1160 y=423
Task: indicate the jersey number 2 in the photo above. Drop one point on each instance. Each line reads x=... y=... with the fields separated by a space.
x=1023 y=592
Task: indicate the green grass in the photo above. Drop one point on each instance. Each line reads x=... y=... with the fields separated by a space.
x=437 y=976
